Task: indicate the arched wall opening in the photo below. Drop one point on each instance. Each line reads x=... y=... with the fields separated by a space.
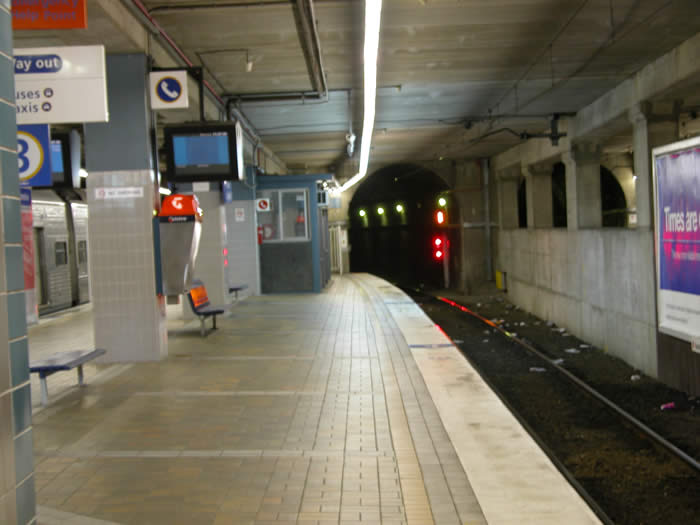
x=392 y=225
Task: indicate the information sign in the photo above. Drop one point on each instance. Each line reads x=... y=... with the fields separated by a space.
x=33 y=158
x=58 y=85
x=49 y=14
x=169 y=89
x=262 y=204
x=677 y=242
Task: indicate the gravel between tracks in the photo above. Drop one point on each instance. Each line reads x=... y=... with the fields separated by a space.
x=634 y=480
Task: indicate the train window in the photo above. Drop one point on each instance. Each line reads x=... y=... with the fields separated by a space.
x=82 y=252
x=61 y=253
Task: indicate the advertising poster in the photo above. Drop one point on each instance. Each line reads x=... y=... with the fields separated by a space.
x=677 y=208
x=28 y=254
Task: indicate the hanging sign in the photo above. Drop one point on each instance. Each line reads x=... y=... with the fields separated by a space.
x=33 y=158
x=60 y=85
x=49 y=14
x=677 y=231
x=169 y=89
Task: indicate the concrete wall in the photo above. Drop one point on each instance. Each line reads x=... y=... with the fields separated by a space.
x=598 y=284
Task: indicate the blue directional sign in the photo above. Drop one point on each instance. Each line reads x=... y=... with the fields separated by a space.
x=33 y=155
x=169 y=89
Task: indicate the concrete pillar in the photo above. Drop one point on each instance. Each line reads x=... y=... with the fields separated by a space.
x=642 y=164
x=507 y=200
x=17 y=496
x=242 y=240
x=539 y=196
x=583 y=202
x=645 y=137
x=129 y=318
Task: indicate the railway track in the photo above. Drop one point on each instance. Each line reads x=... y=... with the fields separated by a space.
x=627 y=472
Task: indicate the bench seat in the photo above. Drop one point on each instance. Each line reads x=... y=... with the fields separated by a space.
x=201 y=307
x=60 y=362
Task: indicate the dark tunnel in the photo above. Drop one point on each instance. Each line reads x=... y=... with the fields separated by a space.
x=392 y=225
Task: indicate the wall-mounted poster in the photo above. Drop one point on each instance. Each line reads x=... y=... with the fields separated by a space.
x=677 y=238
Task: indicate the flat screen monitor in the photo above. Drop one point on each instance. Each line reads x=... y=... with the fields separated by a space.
x=201 y=153
x=61 y=166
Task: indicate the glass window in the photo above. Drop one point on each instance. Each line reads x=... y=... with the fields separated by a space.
x=294 y=215
x=61 y=253
x=286 y=218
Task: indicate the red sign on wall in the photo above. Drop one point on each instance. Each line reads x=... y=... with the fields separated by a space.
x=57 y=14
x=27 y=237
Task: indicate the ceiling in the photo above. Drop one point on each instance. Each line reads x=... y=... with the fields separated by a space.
x=449 y=71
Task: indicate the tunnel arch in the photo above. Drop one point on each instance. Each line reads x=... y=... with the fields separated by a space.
x=396 y=242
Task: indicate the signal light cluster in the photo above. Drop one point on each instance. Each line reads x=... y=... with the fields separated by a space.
x=381 y=210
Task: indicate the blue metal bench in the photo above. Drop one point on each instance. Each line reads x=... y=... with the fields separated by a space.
x=60 y=362
x=199 y=301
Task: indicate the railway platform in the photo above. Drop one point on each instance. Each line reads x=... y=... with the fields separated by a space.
x=345 y=407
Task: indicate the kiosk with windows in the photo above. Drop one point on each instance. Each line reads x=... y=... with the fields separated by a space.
x=292 y=233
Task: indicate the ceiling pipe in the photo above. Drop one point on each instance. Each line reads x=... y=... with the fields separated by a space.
x=305 y=18
x=163 y=8
x=245 y=123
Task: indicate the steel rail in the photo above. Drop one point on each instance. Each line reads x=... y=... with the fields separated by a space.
x=583 y=385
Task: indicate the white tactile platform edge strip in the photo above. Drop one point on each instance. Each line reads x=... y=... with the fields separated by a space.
x=513 y=479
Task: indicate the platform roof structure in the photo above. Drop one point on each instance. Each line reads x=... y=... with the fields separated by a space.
x=457 y=79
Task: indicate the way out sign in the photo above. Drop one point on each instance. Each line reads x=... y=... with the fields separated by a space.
x=33 y=157
x=169 y=89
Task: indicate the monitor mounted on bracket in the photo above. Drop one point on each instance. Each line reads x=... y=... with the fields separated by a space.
x=202 y=152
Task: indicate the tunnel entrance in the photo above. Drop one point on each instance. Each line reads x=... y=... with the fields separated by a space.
x=392 y=225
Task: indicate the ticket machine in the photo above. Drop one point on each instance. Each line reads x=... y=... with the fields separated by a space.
x=180 y=222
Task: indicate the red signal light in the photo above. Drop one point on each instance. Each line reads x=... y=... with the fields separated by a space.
x=438 y=251
x=440 y=217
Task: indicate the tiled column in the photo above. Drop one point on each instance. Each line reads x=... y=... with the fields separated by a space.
x=583 y=200
x=17 y=501
x=129 y=318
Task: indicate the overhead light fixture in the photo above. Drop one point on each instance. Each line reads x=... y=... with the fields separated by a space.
x=373 y=11
x=164 y=191
x=83 y=173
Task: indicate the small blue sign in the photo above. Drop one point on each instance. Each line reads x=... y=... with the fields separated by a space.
x=25 y=196
x=37 y=64
x=169 y=89
x=33 y=155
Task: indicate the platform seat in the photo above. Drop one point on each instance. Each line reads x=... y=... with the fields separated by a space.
x=60 y=362
x=201 y=307
x=235 y=288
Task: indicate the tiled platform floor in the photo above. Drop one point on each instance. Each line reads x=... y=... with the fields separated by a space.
x=308 y=409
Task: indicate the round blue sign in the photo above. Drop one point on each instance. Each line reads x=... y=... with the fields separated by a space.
x=169 y=89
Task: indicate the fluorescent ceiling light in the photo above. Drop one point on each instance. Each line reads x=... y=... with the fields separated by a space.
x=83 y=173
x=164 y=191
x=373 y=11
